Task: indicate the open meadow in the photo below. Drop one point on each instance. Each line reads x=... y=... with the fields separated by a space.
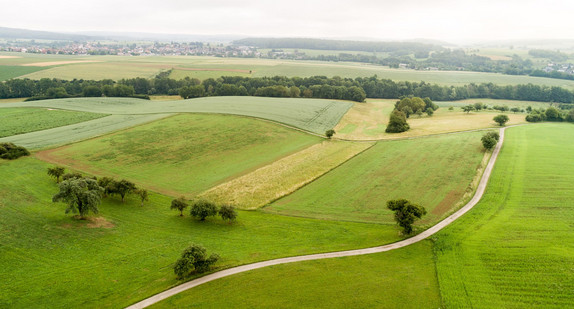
x=435 y=172
x=127 y=252
x=516 y=248
x=184 y=154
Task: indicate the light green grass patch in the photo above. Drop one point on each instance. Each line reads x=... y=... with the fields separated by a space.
x=313 y=115
x=515 y=249
x=184 y=154
x=402 y=278
x=23 y=120
x=52 y=260
x=434 y=172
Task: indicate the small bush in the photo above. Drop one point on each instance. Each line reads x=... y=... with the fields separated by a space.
x=194 y=257
x=9 y=151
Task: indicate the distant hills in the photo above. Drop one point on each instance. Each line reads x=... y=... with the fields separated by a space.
x=14 y=33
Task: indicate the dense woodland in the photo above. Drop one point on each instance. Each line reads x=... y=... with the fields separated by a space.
x=279 y=86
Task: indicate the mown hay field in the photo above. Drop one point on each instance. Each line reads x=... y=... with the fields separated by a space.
x=284 y=176
x=185 y=154
x=435 y=172
x=515 y=249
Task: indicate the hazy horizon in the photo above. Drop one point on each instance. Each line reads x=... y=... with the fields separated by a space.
x=444 y=20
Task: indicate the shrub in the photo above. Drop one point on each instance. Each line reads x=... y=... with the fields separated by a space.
x=194 y=257
x=490 y=139
x=329 y=133
x=397 y=122
x=9 y=151
x=227 y=212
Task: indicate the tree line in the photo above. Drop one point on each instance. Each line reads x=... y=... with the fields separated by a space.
x=323 y=87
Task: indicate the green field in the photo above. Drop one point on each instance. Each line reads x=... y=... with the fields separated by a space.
x=80 y=131
x=184 y=154
x=434 y=172
x=23 y=120
x=118 y=67
x=404 y=278
x=126 y=254
x=9 y=71
x=313 y=115
x=516 y=248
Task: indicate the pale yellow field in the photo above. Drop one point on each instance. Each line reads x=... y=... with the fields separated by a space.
x=53 y=63
x=368 y=121
x=268 y=183
x=97 y=71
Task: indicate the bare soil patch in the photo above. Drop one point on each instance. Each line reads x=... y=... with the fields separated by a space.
x=99 y=222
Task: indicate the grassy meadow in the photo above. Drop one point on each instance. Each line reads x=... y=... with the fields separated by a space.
x=283 y=176
x=23 y=120
x=515 y=249
x=403 y=278
x=12 y=71
x=368 y=121
x=185 y=154
x=435 y=172
x=126 y=253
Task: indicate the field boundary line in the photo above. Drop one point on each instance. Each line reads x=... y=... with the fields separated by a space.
x=481 y=188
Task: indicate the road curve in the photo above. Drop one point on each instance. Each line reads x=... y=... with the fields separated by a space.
x=403 y=243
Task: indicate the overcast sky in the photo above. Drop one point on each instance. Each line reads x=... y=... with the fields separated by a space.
x=451 y=20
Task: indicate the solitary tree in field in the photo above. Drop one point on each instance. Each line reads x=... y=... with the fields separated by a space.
x=202 y=209
x=227 y=212
x=489 y=140
x=179 y=204
x=82 y=195
x=329 y=133
x=143 y=195
x=397 y=122
x=194 y=257
x=501 y=119
x=56 y=172
x=406 y=213
x=468 y=108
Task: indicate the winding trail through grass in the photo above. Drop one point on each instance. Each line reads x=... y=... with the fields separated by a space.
x=427 y=233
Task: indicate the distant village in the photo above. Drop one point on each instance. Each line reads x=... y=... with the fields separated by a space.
x=133 y=49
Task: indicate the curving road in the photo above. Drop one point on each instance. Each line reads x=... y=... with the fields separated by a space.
x=239 y=269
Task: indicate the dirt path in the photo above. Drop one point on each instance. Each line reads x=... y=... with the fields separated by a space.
x=431 y=231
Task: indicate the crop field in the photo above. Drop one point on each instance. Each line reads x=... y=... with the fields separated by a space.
x=80 y=131
x=313 y=115
x=283 y=176
x=8 y=71
x=116 y=67
x=516 y=248
x=404 y=278
x=126 y=253
x=184 y=154
x=23 y=120
x=368 y=121
x=435 y=172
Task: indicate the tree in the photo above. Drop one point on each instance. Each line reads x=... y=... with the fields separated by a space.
x=179 y=204
x=329 y=133
x=9 y=151
x=194 y=257
x=397 y=122
x=406 y=213
x=468 y=108
x=227 y=212
x=515 y=110
x=122 y=187
x=501 y=119
x=143 y=195
x=56 y=172
x=488 y=142
x=81 y=194
x=69 y=176
x=107 y=183
x=429 y=111
x=553 y=114
x=202 y=209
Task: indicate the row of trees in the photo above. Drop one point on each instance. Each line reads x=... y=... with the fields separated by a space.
x=279 y=86
x=550 y=114
x=83 y=194
x=202 y=209
x=404 y=108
